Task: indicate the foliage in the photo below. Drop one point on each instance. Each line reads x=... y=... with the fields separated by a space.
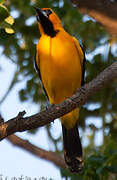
x=5 y=19
x=100 y=164
x=20 y=47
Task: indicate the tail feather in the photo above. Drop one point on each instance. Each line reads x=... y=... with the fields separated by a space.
x=72 y=149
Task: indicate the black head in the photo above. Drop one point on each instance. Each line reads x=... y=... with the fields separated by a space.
x=43 y=18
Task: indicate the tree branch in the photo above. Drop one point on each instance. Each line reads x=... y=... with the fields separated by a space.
x=103 y=11
x=38 y=152
x=19 y=124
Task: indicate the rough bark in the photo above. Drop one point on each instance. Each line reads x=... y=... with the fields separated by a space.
x=19 y=124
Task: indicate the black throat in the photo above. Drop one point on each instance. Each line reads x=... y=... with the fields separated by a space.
x=48 y=27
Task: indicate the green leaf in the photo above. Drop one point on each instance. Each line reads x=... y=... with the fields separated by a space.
x=99 y=170
x=5 y=25
x=97 y=160
x=9 y=20
x=3 y=13
x=9 y=30
x=112 y=169
x=1 y=1
x=112 y=159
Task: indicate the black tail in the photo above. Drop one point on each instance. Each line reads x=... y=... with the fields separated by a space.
x=72 y=149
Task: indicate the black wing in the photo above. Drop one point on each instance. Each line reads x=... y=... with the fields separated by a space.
x=38 y=70
x=83 y=68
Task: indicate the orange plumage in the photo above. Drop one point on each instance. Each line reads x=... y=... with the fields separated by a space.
x=60 y=62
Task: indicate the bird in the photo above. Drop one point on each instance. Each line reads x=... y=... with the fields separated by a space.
x=60 y=62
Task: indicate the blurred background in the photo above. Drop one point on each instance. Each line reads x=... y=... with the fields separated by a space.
x=20 y=89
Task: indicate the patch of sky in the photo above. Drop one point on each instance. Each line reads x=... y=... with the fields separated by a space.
x=21 y=42
x=108 y=118
x=85 y=137
x=15 y=14
x=30 y=21
x=98 y=138
x=86 y=18
x=114 y=49
x=92 y=106
x=35 y=41
x=56 y=129
x=1 y=49
x=96 y=121
x=61 y=3
x=106 y=131
x=103 y=50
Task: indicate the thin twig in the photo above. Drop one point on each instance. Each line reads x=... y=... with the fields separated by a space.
x=36 y=151
x=14 y=80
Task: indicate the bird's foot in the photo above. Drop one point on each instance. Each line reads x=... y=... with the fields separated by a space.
x=49 y=106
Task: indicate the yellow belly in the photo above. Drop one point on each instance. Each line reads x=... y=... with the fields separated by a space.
x=60 y=69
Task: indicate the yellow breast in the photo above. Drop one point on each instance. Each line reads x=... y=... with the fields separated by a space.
x=59 y=66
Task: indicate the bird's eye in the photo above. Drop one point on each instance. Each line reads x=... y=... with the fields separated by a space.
x=48 y=11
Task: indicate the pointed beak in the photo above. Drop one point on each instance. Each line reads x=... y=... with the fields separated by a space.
x=38 y=10
x=40 y=13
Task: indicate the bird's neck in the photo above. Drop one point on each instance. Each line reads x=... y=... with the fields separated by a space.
x=50 y=29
